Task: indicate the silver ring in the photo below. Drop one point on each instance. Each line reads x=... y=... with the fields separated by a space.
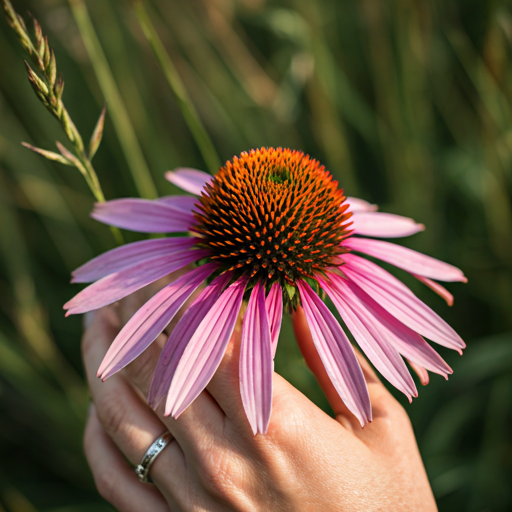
x=142 y=469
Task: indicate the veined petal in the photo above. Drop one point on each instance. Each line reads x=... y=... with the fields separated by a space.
x=120 y=284
x=143 y=215
x=274 y=304
x=191 y=180
x=129 y=255
x=407 y=259
x=436 y=287
x=337 y=354
x=384 y=325
x=183 y=203
x=420 y=372
x=180 y=336
x=360 y=205
x=398 y=300
x=150 y=320
x=384 y=225
x=256 y=364
x=370 y=337
x=205 y=350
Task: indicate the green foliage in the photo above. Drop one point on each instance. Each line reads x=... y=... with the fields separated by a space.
x=408 y=104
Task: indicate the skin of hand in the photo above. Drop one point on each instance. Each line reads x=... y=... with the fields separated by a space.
x=308 y=461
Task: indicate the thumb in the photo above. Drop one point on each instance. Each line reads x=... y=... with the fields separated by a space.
x=312 y=358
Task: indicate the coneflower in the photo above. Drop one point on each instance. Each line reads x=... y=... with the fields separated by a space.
x=272 y=227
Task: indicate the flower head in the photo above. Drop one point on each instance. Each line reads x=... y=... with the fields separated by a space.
x=271 y=227
x=274 y=216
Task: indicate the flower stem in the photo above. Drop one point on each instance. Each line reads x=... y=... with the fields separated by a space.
x=188 y=110
x=122 y=123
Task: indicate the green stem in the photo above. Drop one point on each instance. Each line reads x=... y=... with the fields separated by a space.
x=123 y=126
x=94 y=185
x=188 y=110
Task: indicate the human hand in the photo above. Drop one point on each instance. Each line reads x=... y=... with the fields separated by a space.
x=307 y=461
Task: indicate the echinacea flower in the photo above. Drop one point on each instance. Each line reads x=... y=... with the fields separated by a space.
x=272 y=227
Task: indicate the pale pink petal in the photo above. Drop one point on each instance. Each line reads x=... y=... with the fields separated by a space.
x=384 y=225
x=143 y=215
x=120 y=284
x=370 y=337
x=398 y=300
x=274 y=303
x=205 y=350
x=360 y=205
x=337 y=354
x=256 y=364
x=180 y=336
x=420 y=372
x=150 y=320
x=183 y=203
x=407 y=259
x=190 y=180
x=384 y=325
x=129 y=255
x=440 y=290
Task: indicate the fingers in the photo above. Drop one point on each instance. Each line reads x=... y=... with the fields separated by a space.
x=128 y=419
x=224 y=386
x=130 y=423
x=388 y=414
x=115 y=479
x=141 y=370
x=308 y=349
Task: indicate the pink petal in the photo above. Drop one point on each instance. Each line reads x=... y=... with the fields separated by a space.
x=407 y=259
x=384 y=225
x=406 y=341
x=274 y=303
x=129 y=255
x=150 y=320
x=420 y=372
x=143 y=215
x=370 y=337
x=360 y=205
x=337 y=354
x=398 y=300
x=205 y=350
x=120 y=284
x=190 y=180
x=440 y=290
x=183 y=203
x=256 y=364
x=180 y=337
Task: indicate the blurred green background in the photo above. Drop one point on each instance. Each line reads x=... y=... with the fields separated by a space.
x=408 y=104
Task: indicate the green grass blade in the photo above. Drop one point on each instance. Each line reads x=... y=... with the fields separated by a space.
x=122 y=123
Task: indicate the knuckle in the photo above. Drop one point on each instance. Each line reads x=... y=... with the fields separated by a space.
x=220 y=473
x=111 y=414
x=289 y=419
x=105 y=481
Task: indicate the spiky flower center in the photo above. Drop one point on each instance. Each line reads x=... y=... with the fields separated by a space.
x=273 y=215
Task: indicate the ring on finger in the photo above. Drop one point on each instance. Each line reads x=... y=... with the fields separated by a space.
x=152 y=453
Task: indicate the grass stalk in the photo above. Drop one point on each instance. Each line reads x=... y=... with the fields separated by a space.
x=122 y=123
x=49 y=89
x=188 y=110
